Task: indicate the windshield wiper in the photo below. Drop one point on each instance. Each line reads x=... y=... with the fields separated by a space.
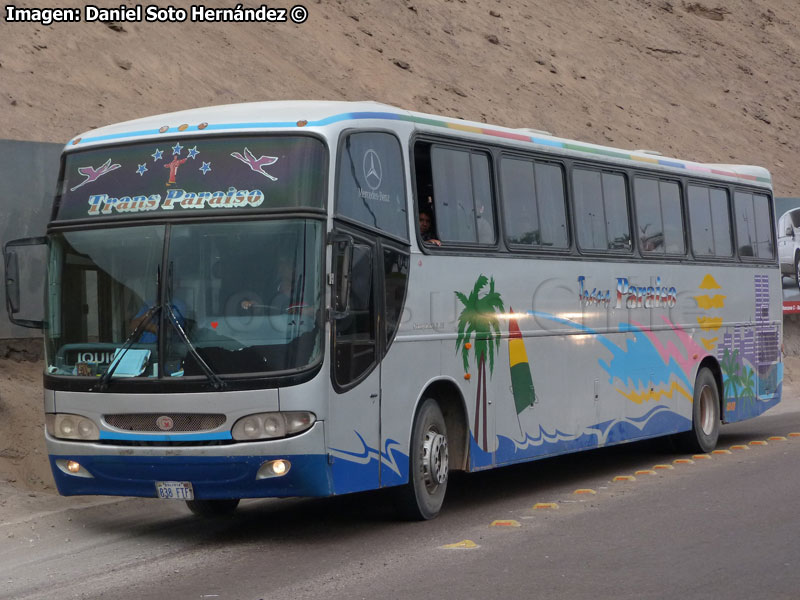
x=209 y=372
x=173 y=320
x=102 y=383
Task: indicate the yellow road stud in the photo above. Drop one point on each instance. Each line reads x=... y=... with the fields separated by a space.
x=505 y=523
x=462 y=545
x=545 y=505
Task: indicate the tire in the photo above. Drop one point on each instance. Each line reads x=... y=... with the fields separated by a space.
x=212 y=508
x=705 y=415
x=429 y=465
x=797 y=269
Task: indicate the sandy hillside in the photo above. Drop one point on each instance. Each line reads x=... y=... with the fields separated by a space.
x=23 y=457
x=711 y=81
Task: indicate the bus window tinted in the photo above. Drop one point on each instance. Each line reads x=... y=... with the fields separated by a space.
x=753 y=228
x=710 y=221
x=601 y=210
x=659 y=218
x=371 y=186
x=462 y=196
x=533 y=197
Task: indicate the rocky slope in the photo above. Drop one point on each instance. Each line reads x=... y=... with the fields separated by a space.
x=701 y=81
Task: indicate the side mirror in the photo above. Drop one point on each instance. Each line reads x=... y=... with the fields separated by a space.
x=14 y=276
x=789 y=231
x=12 y=283
x=342 y=273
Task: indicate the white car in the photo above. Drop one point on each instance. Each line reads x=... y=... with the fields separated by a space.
x=789 y=243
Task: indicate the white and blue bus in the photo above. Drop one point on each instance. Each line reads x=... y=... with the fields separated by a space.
x=241 y=303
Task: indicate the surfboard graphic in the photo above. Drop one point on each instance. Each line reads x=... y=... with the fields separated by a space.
x=521 y=379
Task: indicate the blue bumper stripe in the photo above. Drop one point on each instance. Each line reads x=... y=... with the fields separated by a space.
x=212 y=477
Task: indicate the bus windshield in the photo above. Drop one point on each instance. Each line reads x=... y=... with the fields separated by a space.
x=233 y=297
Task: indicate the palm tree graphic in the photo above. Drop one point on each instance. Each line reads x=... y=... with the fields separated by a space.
x=747 y=382
x=478 y=321
x=730 y=367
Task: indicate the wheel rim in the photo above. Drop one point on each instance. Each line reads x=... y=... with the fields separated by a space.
x=435 y=459
x=797 y=270
x=707 y=412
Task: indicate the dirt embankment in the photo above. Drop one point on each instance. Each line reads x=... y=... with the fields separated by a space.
x=23 y=457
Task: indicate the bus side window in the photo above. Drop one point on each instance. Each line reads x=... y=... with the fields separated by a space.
x=659 y=217
x=753 y=226
x=709 y=217
x=462 y=196
x=534 y=200
x=601 y=210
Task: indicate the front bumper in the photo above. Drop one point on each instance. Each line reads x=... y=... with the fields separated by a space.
x=215 y=472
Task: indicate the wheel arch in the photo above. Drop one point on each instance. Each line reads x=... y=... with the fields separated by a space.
x=451 y=402
x=712 y=364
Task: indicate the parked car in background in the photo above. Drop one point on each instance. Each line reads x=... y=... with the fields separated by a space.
x=789 y=243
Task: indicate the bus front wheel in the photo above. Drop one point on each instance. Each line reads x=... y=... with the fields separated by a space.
x=703 y=435
x=213 y=508
x=429 y=465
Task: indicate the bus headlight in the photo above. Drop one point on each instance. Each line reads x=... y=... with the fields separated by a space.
x=271 y=425
x=71 y=427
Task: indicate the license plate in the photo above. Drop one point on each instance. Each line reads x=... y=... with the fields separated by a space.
x=174 y=490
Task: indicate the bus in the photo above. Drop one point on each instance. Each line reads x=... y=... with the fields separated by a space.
x=240 y=302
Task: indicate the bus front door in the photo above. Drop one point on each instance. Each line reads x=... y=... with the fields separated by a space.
x=354 y=415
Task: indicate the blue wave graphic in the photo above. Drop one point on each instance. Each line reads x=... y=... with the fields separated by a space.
x=354 y=471
x=660 y=420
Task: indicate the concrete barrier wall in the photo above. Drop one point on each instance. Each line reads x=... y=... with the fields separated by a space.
x=28 y=178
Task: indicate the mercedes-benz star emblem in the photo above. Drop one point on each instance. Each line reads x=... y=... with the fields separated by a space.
x=373 y=173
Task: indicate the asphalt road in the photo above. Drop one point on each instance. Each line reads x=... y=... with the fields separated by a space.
x=724 y=527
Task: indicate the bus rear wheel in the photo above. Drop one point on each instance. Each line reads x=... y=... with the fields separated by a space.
x=429 y=465
x=703 y=435
x=213 y=508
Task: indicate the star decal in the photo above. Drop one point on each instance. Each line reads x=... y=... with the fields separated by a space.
x=176 y=149
x=205 y=168
x=157 y=154
x=141 y=170
x=193 y=152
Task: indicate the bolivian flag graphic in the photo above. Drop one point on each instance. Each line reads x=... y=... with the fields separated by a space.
x=521 y=380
